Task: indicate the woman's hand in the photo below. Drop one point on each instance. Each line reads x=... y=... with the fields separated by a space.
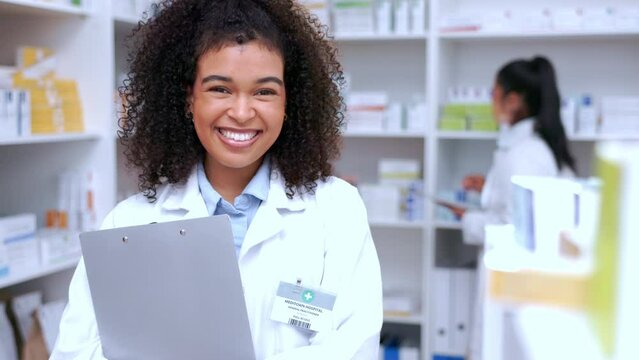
x=458 y=211
x=474 y=182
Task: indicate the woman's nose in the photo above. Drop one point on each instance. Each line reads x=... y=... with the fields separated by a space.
x=242 y=109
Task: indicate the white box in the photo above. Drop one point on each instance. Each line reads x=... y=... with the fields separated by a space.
x=402 y=16
x=398 y=171
x=495 y=20
x=394 y=117
x=627 y=18
x=460 y=22
x=531 y=19
x=598 y=18
x=366 y=110
x=418 y=19
x=24 y=113
x=18 y=235
x=416 y=117
x=4 y=261
x=58 y=246
x=569 y=18
x=382 y=201
x=319 y=8
x=8 y=113
x=384 y=17
x=353 y=17
x=399 y=304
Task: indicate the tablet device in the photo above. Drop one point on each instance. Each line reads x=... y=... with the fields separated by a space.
x=168 y=290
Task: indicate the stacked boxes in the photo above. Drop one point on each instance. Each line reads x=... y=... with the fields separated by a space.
x=54 y=104
x=471 y=117
x=620 y=115
x=468 y=109
x=19 y=244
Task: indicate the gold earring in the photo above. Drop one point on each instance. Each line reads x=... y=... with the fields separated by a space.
x=285 y=117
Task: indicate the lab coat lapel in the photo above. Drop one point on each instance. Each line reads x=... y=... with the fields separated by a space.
x=186 y=198
x=269 y=221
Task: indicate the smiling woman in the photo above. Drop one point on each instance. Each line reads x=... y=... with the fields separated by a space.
x=157 y=128
x=234 y=109
x=237 y=101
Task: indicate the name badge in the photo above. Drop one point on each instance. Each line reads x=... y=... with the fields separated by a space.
x=303 y=307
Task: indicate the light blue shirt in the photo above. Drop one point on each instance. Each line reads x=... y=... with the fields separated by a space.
x=245 y=205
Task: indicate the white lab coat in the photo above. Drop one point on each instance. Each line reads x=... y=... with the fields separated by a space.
x=520 y=151
x=322 y=239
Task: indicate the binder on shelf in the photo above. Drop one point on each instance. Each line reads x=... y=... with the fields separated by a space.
x=442 y=339
x=461 y=299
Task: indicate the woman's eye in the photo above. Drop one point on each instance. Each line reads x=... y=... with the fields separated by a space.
x=265 y=92
x=219 y=89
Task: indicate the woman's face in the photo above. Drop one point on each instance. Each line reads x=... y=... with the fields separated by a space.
x=238 y=103
x=507 y=108
x=498 y=105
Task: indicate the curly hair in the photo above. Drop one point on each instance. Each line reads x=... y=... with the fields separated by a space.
x=156 y=129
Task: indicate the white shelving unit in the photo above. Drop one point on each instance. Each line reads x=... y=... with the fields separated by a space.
x=376 y=38
x=41 y=139
x=438 y=61
x=418 y=225
x=540 y=35
x=406 y=320
x=81 y=38
x=89 y=45
x=40 y=272
x=40 y=8
x=468 y=135
x=386 y=134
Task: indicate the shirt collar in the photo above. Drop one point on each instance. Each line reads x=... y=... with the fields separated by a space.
x=187 y=196
x=260 y=183
x=510 y=135
x=257 y=187
x=210 y=196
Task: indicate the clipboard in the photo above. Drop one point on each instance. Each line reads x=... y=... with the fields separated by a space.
x=447 y=202
x=168 y=290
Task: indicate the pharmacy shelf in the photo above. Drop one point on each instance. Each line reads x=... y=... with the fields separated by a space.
x=38 y=273
x=541 y=35
x=408 y=320
x=397 y=224
x=384 y=134
x=380 y=37
x=448 y=225
x=57 y=138
x=126 y=19
x=467 y=135
x=476 y=135
x=39 y=7
x=603 y=137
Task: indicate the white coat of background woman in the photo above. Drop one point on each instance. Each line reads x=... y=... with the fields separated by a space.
x=532 y=141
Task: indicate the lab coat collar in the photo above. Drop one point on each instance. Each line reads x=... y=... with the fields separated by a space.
x=187 y=196
x=268 y=220
x=512 y=135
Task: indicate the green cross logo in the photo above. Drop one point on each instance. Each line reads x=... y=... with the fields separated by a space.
x=308 y=296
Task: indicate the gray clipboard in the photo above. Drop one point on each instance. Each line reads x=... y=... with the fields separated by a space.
x=168 y=290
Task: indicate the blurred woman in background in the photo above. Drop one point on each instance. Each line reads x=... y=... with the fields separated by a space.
x=532 y=141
